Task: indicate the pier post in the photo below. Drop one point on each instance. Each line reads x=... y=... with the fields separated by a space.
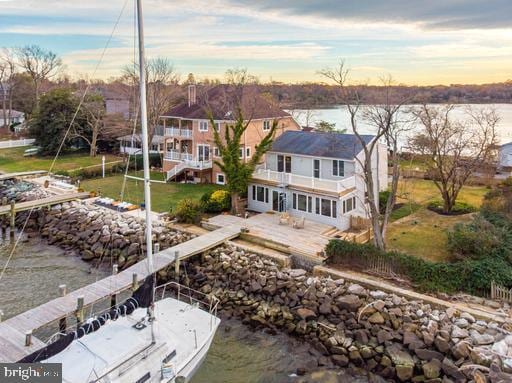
x=177 y=265
x=13 y=218
x=79 y=311
x=28 y=338
x=1 y=315
x=113 y=297
x=135 y=284
x=4 y=218
x=63 y=321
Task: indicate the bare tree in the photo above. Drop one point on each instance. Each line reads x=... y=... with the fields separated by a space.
x=454 y=149
x=384 y=118
x=8 y=70
x=162 y=89
x=40 y=64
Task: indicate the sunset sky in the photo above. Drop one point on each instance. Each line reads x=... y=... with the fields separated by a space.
x=417 y=42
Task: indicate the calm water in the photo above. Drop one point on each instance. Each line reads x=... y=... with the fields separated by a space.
x=340 y=116
x=238 y=354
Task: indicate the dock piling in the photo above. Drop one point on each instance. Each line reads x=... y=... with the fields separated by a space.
x=79 y=311
x=113 y=297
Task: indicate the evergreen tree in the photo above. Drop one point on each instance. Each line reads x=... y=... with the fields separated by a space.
x=238 y=173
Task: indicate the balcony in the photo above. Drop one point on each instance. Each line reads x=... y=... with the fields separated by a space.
x=177 y=132
x=175 y=155
x=295 y=180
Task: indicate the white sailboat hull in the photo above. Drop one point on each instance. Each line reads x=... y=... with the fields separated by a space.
x=120 y=353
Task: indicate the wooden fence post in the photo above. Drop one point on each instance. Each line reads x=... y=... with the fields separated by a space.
x=177 y=265
x=135 y=284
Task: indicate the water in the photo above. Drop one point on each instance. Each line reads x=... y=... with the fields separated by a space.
x=238 y=354
x=340 y=116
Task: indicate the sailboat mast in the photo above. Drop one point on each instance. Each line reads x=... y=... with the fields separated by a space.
x=144 y=134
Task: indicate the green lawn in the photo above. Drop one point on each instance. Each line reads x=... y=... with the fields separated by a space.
x=164 y=196
x=12 y=160
x=423 y=232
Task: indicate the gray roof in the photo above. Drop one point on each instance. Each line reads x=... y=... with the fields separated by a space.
x=319 y=144
x=138 y=138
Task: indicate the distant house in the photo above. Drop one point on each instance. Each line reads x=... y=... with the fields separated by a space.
x=116 y=101
x=317 y=176
x=189 y=147
x=13 y=118
x=505 y=158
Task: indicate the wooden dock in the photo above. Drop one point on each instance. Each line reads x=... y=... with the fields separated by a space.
x=43 y=202
x=33 y=173
x=13 y=330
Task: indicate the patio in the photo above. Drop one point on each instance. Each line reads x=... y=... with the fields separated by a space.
x=310 y=240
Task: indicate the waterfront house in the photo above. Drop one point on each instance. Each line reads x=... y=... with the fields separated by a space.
x=505 y=158
x=189 y=148
x=317 y=176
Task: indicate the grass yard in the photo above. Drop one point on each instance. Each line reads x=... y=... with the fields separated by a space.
x=164 y=196
x=423 y=233
x=12 y=160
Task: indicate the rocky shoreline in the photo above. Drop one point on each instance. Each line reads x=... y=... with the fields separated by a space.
x=353 y=327
x=98 y=233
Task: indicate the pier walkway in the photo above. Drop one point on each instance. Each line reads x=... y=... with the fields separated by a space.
x=43 y=202
x=13 y=331
x=33 y=173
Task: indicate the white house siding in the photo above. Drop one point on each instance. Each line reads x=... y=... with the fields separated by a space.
x=505 y=157
x=342 y=221
x=303 y=166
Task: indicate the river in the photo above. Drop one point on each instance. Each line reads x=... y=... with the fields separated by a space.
x=340 y=116
x=238 y=354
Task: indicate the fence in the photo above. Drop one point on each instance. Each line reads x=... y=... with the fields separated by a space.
x=16 y=143
x=500 y=293
x=359 y=223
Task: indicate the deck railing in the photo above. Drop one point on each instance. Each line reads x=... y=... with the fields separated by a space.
x=177 y=132
x=175 y=155
x=309 y=182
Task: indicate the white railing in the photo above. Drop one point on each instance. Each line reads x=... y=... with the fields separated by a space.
x=177 y=132
x=189 y=164
x=175 y=155
x=16 y=143
x=310 y=182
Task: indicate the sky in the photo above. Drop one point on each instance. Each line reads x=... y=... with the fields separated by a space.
x=416 y=42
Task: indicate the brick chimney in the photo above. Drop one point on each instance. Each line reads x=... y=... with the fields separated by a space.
x=192 y=99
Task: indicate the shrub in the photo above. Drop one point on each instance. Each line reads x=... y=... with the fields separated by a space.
x=383 y=199
x=475 y=240
x=459 y=208
x=471 y=276
x=216 y=201
x=188 y=211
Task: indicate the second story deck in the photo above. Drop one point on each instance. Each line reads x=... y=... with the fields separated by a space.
x=335 y=187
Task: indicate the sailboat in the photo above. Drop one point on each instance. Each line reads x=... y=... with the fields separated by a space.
x=152 y=336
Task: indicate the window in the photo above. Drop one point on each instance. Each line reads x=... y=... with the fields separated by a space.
x=247 y=152
x=294 y=202
x=302 y=202
x=241 y=152
x=334 y=208
x=288 y=164
x=216 y=152
x=203 y=126
x=280 y=163
x=310 y=204
x=338 y=168
x=317 y=205
x=221 y=180
x=261 y=193
x=349 y=204
x=316 y=168
x=266 y=125
x=217 y=126
x=326 y=207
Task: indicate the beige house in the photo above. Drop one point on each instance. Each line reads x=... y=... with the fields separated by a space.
x=189 y=148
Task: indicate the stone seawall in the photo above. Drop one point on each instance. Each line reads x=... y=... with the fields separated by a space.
x=353 y=327
x=98 y=233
